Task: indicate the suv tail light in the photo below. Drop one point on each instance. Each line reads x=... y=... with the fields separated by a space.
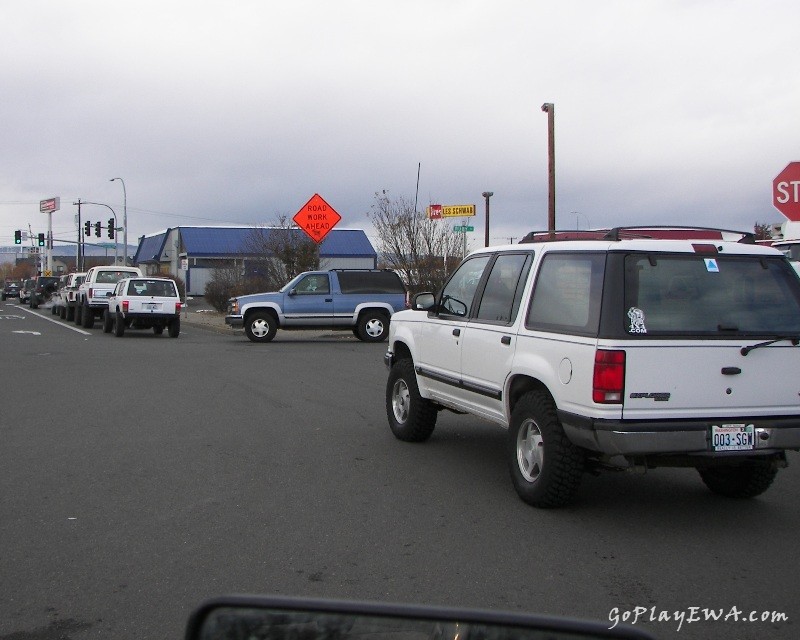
x=608 y=381
x=125 y=305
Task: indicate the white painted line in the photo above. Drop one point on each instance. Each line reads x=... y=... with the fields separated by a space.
x=59 y=322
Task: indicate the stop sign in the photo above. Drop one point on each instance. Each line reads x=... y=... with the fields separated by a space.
x=786 y=191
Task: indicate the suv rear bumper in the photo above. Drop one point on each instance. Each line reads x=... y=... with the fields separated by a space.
x=622 y=437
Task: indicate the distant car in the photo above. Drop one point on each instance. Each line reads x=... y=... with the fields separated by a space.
x=11 y=290
x=25 y=290
x=43 y=289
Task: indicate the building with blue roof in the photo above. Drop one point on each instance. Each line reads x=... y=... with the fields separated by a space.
x=192 y=253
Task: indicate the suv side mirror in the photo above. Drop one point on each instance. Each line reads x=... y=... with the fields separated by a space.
x=424 y=301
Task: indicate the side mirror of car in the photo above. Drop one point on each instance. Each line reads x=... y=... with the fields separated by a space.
x=292 y=292
x=424 y=301
x=273 y=618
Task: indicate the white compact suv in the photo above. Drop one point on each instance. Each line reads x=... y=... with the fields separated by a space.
x=632 y=348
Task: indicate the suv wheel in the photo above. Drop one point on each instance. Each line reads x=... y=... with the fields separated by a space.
x=739 y=482
x=373 y=326
x=546 y=468
x=87 y=317
x=261 y=326
x=108 y=321
x=412 y=418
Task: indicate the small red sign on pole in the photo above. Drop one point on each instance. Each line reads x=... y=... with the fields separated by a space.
x=786 y=191
x=316 y=218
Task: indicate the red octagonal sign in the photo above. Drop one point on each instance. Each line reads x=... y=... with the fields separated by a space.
x=317 y=218
x=786 y=191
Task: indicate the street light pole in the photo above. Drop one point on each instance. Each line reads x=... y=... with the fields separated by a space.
x=487 y=195
x=124 y=219
x=549 y=108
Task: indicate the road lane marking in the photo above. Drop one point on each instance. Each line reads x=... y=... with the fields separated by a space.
x=59 y=322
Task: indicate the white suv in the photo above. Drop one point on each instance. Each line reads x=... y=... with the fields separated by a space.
x=616 y=350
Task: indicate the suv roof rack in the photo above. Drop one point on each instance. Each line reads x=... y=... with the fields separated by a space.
x=660 y=232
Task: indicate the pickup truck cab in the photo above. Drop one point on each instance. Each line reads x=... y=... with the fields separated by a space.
x=143 y=303
x=361 y=300
x=93 y=292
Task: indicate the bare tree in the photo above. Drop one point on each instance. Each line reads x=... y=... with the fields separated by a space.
x=279 y=252
x=421 y=250
x=762 y=231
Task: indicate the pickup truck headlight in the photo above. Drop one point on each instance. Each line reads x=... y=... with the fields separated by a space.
x=233 y=307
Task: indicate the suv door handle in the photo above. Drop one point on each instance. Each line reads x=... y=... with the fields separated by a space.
x=328 y=299
x=456 y=332
x=731 y=371
x=506 y=339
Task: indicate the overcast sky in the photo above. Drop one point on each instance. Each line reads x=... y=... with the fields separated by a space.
x=666 y=112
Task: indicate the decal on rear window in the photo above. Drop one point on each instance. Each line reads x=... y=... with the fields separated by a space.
x=636 y=316
x=712 y=266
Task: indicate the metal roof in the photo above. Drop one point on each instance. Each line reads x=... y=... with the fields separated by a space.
x=219 y=242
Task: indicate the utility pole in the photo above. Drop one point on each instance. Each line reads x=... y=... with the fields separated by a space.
x=78 y=247
x=487 y=195
x=549 y=108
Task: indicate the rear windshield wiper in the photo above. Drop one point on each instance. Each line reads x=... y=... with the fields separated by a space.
x=795 y=340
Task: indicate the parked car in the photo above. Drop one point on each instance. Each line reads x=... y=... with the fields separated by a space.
x=10 y=290
x=144 y=303
x=92 y=294
x=25 y=290
x=611 y=352
x=358 y=300
x=42 y=291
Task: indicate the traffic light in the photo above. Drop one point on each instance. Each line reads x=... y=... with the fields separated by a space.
x=41 y=239
x=111 y=228
x=87 y=228
x=97 y=228
x=18 y=237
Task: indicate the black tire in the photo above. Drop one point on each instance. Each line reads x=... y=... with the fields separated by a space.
x=745 y=481
x=412 y=418
x=546 y=468
x=78 y=314
x=34 y=302
x=260 y=326
x=108 y=321
x=158 y=329
x=174 y=328
x=119 y=325
x=62 y=313
x=53 y=309
x=373 y=326
x=70 y=314
x=87 y=317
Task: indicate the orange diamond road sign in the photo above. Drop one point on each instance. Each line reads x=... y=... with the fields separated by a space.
x=317 y=218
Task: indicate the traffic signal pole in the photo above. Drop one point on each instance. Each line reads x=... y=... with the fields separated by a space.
x=79 y=246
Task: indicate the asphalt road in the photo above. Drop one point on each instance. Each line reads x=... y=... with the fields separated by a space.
x=143 y=474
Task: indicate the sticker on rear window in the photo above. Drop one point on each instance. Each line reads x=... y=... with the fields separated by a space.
x=636 y=316
x=711 y=265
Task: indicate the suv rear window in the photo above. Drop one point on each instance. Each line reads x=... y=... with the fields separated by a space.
x=719 y=295
x=370 y=282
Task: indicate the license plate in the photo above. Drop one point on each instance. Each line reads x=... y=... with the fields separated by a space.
x=151 y=306
x=733 y=437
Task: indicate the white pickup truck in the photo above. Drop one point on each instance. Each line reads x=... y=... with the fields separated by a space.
x=143 y=303
x=93 y=292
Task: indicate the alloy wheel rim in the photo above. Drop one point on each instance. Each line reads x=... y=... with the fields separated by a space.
x=530 y=450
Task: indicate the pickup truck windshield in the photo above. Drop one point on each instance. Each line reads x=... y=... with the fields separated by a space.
x=713 y=295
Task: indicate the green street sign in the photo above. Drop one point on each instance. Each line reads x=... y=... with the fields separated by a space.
x=463 y=229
